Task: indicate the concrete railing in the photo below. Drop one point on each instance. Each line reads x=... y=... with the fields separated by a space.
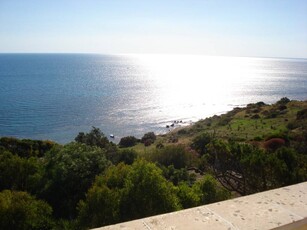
x=283 y=208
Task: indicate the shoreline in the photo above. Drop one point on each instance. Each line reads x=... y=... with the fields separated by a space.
x=165 y=131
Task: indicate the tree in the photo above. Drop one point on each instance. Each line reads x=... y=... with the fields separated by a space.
x=128 y=141
x=147 y=192
x=255 y=170
x=127 y=156
x=200 y=142
x=176 y=175
x=188 y=196
x=175 y=155
x=292 y=167
x=125 y=193
x=26 y=148
x=94 y=138
x=148 y=138
x=210 y=191
x=301 y=115
x=70 y=171
x=19 y=173
x=102 y=204
x=19 y=210
x=283 y=100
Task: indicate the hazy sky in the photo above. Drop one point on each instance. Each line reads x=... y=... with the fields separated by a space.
x=269 y=28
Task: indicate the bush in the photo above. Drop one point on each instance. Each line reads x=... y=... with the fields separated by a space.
x=293 y=125
x=102 y=204
x=210 y=191
x=183 y=132
x=70 y=171
x=260 y=103
x=200 y=142
x=255 y=116
x=25 y=147
x=282 y=107
x=159 y=146
x=274 y=143
x=283 y=101
x=272 y=114
x=258 y=138
x=175 y=155
x=19 y=210
x=127 y=192
x=128 y=141
x=127 y=156
x=148 y=138
x=94 y=138
x=176 y=175
x=188 y=196
x=302 y=114
x=147 y=192
x=224 y=120
x=18 y=173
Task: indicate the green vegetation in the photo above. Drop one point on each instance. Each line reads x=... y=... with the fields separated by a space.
x=69 y=172
x=92 y=182
x=93 y=138
x=19 y=210
x=148 y=138
x=128 y=141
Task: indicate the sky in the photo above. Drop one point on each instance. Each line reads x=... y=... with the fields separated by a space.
x=262 y=28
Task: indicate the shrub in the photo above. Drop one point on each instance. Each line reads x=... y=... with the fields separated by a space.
x=274 y=143
x=260 y=103
x=147 y=192
x=255 y=116
x=127 y=156
x=256 y=110
x=128 y=141
x=200 y=142
x=94 y=138
x=176 y=175
x=302 y=114
x=258 y=138
x=148 y=138
x=127 y=192
x=25 y=147
x=272 y=114
x=282 y=107
x=210 y=191
x=175 y=155
x=19 y=210
x=293 y=125
x=188 y=196
x=18 y=173
x=283 y=100
x=224 y=120
x=70 y=171
x=182 y=132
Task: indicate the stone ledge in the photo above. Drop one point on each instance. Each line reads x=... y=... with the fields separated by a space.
x=284 y=208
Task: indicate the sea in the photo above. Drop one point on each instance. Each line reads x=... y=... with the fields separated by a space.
x=56 y=96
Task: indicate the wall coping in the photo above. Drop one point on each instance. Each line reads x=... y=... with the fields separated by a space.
x=283 y=208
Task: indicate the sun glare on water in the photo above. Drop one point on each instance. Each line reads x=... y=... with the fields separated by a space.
x=190 y=83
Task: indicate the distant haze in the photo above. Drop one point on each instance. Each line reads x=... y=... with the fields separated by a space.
x=224 y=28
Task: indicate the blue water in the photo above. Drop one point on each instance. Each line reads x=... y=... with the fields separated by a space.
x=55 y=96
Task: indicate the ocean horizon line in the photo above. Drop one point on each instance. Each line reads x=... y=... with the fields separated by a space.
x=153 y=54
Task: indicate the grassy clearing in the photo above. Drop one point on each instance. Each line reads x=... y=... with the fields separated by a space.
x=245 y=124
x=252 y=123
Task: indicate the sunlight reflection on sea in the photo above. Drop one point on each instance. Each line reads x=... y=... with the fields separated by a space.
x=54 y=96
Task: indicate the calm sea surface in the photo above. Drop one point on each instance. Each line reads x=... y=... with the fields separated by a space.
x=55 y=96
